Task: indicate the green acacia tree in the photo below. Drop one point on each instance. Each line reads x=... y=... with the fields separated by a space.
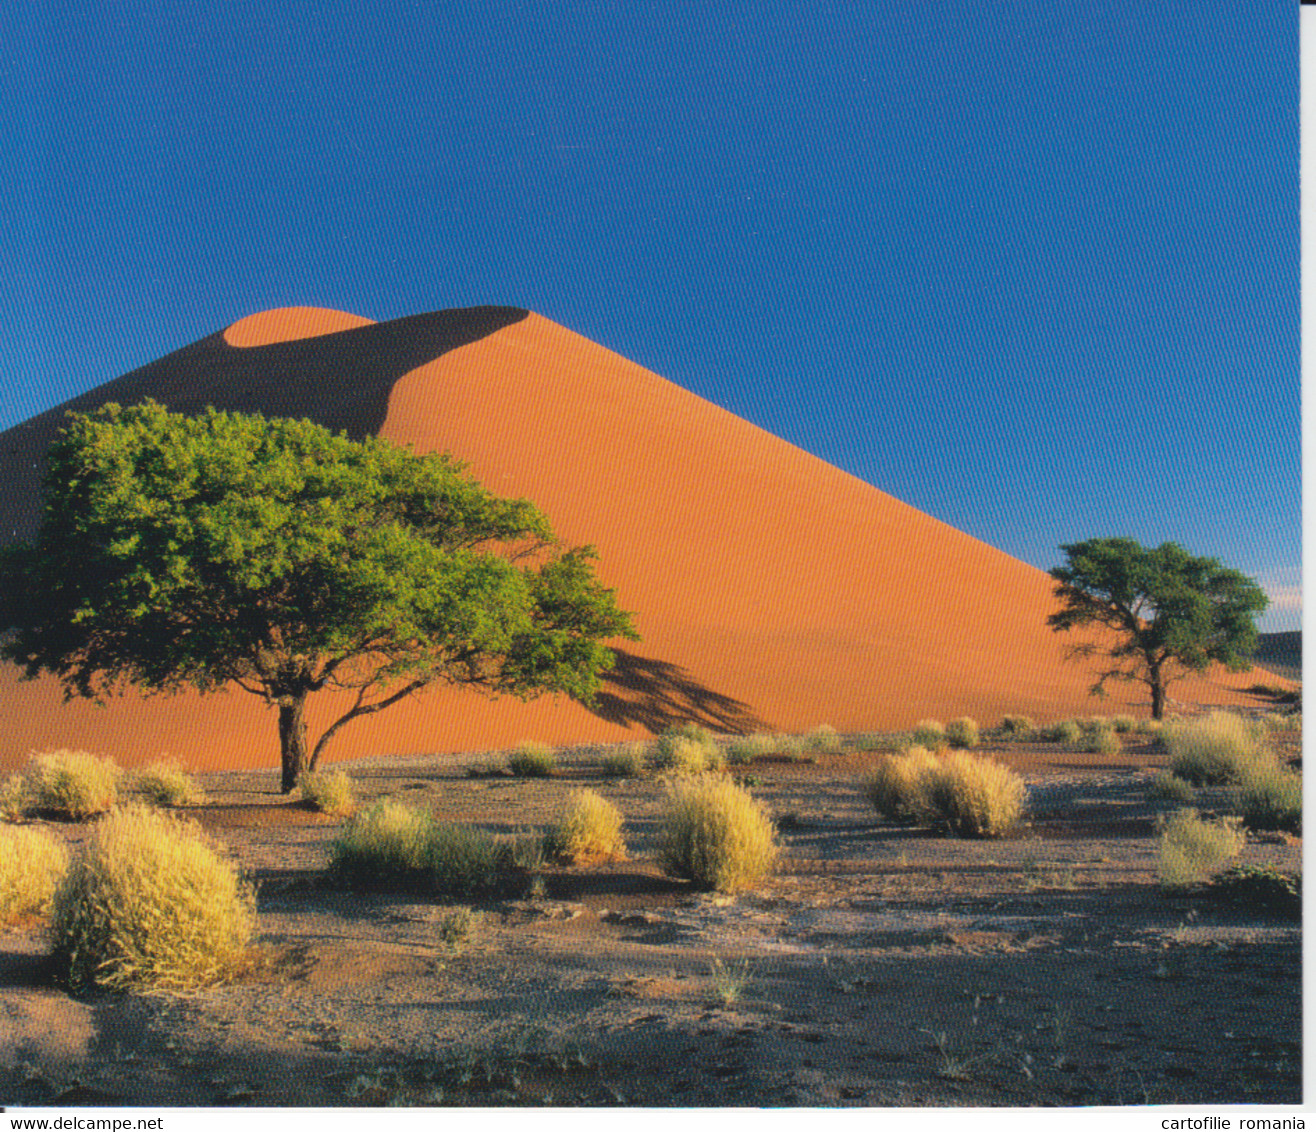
x=275 y=556
x=1166 y=612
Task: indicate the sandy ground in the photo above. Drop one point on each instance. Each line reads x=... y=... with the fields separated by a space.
x=881 y=966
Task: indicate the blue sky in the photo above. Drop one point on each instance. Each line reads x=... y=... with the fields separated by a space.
x=1032 y=268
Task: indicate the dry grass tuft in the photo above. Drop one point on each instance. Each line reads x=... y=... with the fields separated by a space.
x=976 y=797
x=588 y=828
x=532 y=760
x=1218 y=748
x=897 y=789
x=630 y=761
x=823 y=739
x=1270 y=797
x=715 y=834
x=962 y=733
x=329 y=791
x=148 y=904
x=72 y=784
x=1191 y=848
x=32 y=864
x=929 y=733
x=166 y=783
x=14 y=798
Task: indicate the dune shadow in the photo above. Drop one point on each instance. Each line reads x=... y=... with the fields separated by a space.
x=341 y=380
x=656 y=694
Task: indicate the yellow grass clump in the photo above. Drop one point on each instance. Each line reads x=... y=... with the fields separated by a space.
x=1218 y=748
x=588 y=828
x=148 y=904
x=976 y=797
x=897 y=788
x=32 y=864
x=329 y=791
x=72 y=784
x=532 y=760
x=962 y=733
x=166 y=783
x=714 y=833
x=823 y=739
x=14 y=798
x=630 y=760
x=1270 y=797
x=1191 y=848
x=929 y=733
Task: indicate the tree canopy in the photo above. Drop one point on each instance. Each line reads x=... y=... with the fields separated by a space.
x=1166 y=612
x=226 y=549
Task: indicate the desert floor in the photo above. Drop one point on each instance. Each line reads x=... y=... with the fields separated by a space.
x=881 y=966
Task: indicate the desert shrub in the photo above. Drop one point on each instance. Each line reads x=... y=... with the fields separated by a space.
x=897 y=788
x=715 y=834
x=72 y=784
x=14 y=798
x=669 y=736
x=458 y=926
x=1166 y=787
x=523 y=850
x=1269 y=796
x=1280 y=721
x=32 y=864
x=929 y=733
x=686 y=754
x=532 y=760
x=1215 y=749
x=1101 y=741
x=1190 y=848
x=1066 y=731
x=384 y=841
x=976 y=797
x=1259 y=886
x=1124 y=724
x=962 y=733
x=588 y=828
x=747 y=748
x=1018 y=727
x=166 y=784
x=459 y=860
x=1096 y=723
x=629 y=761
x=329 y=791
x=148 y=903
x=823 y=739
x=1152 y=728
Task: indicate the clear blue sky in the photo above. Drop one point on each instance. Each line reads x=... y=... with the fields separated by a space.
x=1030 y=267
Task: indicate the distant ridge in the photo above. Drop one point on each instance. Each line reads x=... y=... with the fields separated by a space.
x=772 y=590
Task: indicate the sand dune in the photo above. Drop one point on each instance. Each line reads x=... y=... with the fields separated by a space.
x=772 y=590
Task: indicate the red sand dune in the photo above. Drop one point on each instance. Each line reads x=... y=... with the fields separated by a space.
x=772 y=590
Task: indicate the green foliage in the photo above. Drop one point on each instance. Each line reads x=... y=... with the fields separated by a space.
x=281 y=558
x=166 y=783
x=1167 y=787
x=1191 y=848
x=1102 y=741
x=823 y=739
x=458 y=927
x=588 y=828
x=72 y=784
x=1161 y=613
x=532 y=760
x=148 y=904
x=32 y=865
x=1018 y=727
x=1066 y=731
x=1124 y=724
x=962 y=733
x=1217 y=748
x=1259 y=887
x=929 y=733
x=1270 y=797
x=715 y=834
x=329 y=791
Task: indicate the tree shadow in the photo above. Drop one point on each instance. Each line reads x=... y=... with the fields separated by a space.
x=341 y=380
x=657 y=694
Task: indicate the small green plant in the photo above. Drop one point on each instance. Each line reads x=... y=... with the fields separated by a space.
x=823 y=740
x=524 y=850
x=532 y=760
x=976 y=797
x=166 y=783
x=72 y=784
x=1167 y=787
x=588 y=828
x=148 y=903
x=457 y=927
x=929 y=733
x=329 y=791
x=714 y=833
x=1269 y=796
x=32 y=865
x=962 y=733
x=747 y=748
x=1101 y=741
x=383 y=842
x=1259 y=886
x=629 y=761
x=1095 y=723
x=1018 y=727
x=1066 y=731
x=1124 y=724
x=1191 y=848
x=729 y=980
x=1213 y=750
x=460 y=860
x=1151 y=728
x=897 y=788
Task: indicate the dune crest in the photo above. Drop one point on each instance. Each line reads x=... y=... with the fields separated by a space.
x=290 y=324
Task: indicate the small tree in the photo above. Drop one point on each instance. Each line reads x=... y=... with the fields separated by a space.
x=278 y=557
x=1167 y=613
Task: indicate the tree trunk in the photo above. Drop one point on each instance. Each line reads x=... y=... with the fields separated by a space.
x=292 y=738
x=1158 y=699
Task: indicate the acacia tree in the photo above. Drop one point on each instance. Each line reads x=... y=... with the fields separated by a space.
x=1166 y=612
x=275 y=556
